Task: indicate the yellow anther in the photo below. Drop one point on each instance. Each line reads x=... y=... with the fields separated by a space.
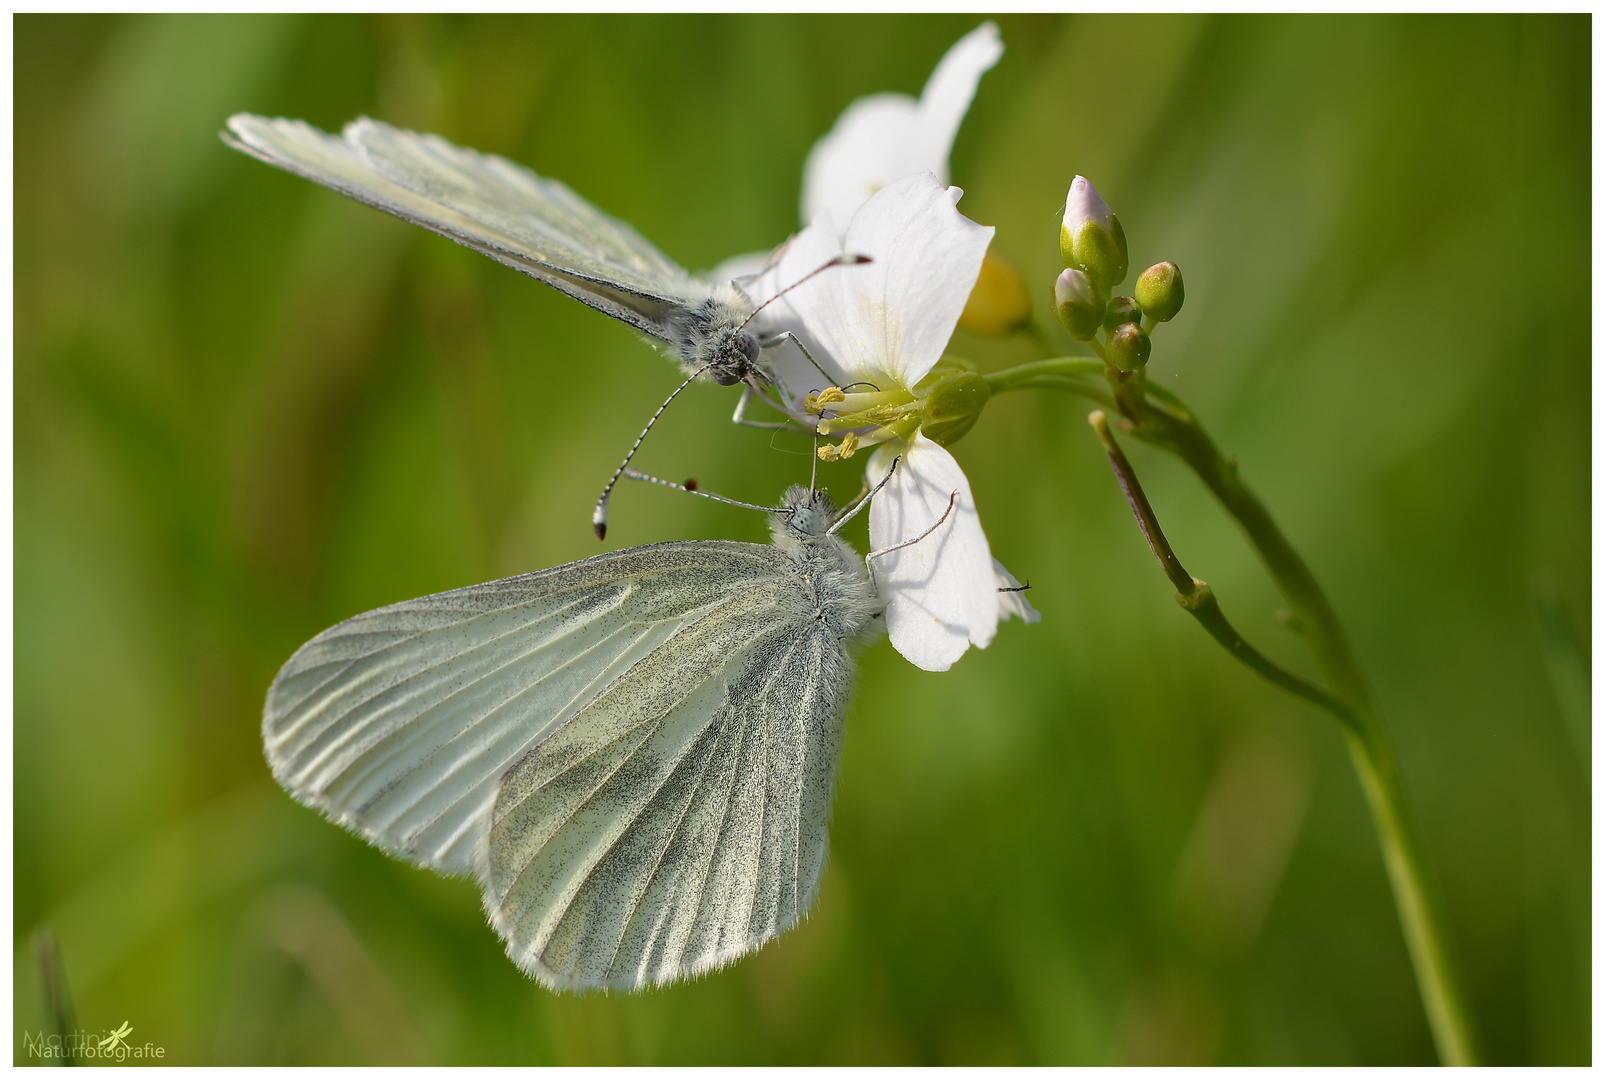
x=848 y=447
x=817 y=402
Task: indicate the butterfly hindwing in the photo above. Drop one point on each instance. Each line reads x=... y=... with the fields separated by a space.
x=641 y=844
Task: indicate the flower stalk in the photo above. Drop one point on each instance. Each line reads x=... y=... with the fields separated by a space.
x=1163 y=421
x=1194 y=594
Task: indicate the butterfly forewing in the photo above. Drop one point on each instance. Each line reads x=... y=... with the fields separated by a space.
x=640 y=844
x=556 y=224
x=399 y=722
x=501 y=209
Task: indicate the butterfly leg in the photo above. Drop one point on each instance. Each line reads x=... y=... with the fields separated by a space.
x=863 y=499
x=951 y=499
x=787 y=335
x=740 y=415
x=763 y=396
x=863 y=489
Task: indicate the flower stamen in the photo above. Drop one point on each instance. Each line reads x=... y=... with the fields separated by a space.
x=817 y=401
x=848 y=447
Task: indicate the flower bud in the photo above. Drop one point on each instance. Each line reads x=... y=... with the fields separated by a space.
x=1128 y=347
x=1159 y=291
x=1078 y=303
x=952 y=406
x=1091 y=238
x=1122 y=309
x=999 y=304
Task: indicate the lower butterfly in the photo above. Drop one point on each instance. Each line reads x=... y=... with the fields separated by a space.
x=633 y=754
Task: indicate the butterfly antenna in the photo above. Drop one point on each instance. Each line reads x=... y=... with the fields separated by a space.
x=599 y=515
x=864 y=499
x=690 y=488
x=844 y=259
x=813 y=472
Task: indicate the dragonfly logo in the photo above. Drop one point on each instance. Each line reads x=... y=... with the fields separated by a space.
x=89 y=1047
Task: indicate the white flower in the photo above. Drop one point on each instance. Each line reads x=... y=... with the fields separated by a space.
x=875 y=331
x=882 y=138
x=886 y=137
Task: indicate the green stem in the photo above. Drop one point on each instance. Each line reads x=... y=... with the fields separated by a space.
x=1194 y=594
x=1166 y=423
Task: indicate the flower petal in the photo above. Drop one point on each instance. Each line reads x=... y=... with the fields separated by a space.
x=743 y=268
x=898 y=312
x=941 y=592
x=888 y=320
x=885 y=137
x=1012 y=603
x=797 y=311
x=951 y=88
x=876 y=140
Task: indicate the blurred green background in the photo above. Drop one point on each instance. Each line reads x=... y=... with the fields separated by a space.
x=247 y=408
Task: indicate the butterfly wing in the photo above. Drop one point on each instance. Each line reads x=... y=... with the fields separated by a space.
x=501 y=209
x=399 y=723
x=678 y=820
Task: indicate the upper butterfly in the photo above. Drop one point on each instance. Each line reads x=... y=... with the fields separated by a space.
x=532 y=224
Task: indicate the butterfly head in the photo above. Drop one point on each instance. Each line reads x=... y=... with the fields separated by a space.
x=734 y=358
x=806 y=514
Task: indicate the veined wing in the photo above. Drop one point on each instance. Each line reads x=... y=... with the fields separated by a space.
x=399 y=723
x=679 y=819
x=485 y=202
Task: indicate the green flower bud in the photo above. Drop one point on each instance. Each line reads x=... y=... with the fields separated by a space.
x=1128 y=347
x=1091 y=238
x=1078 y=303
x=1159 y=291
x=1122 y=309
x=953 y=405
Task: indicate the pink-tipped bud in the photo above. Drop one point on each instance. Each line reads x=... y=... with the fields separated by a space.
x=1091 y=238
x=1079 y=303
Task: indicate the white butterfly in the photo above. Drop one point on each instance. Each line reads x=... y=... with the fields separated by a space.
x=534 y=225
x=633 y=754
